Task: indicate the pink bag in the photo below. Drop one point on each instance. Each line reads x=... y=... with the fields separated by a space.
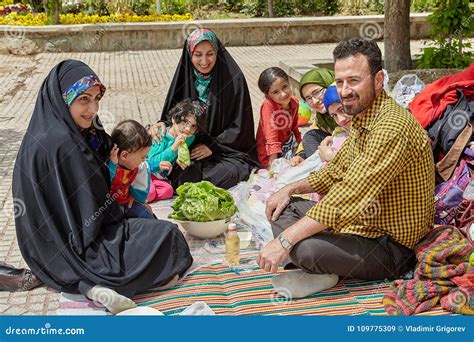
x=448 y=195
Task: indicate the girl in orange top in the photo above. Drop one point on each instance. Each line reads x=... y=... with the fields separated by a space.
x=277 y=134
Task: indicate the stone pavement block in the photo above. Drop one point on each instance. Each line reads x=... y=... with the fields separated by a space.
x=14 y=310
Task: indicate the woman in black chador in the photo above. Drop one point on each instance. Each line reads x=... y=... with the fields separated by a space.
x=73 y=234
x=225 y=154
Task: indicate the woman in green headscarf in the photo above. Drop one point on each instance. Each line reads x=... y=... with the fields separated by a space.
x=313 y=84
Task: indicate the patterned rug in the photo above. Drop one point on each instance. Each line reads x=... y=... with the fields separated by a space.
x=243 y=290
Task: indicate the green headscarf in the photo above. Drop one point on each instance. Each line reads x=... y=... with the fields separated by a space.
x=324 y=78
x=320 y=76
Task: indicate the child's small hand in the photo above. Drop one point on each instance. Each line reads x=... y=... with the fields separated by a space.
x=130 y=203
x=181 y=138
x=296 y=160
x=166 y=166
x=181 y=165
x=114 y=154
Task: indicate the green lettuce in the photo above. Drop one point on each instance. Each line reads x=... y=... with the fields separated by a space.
x=202 y=202
x=183 y=154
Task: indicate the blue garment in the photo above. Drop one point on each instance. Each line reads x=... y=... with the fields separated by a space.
x=162 y=151
x=138 y=210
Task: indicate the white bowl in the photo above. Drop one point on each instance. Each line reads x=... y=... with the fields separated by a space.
x=205 y=230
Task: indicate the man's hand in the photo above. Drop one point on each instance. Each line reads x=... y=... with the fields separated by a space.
x=200 y=152
x=277 y=203
x=156 y=129
x=271 y=256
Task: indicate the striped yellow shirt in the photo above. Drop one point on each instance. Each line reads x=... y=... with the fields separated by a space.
x=382 y=180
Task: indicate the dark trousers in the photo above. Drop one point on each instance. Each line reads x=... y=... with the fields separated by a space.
x=347 y=255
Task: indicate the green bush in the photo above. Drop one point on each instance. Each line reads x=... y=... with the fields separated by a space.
x=282 y=8
x=256 y=8
x=174 y=6
x=320 y=7
x=141 y=7
x=423 y=5
x=451 y=24
x=36 y=5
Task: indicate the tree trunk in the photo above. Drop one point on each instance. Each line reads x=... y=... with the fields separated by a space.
x=57 y=8
x=270 y=8
x=158 y=7
x=397 y=35
x=52 y=11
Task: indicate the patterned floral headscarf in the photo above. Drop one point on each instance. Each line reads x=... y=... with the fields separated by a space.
x=202 y=81
x=199 y=36
x=80 y=87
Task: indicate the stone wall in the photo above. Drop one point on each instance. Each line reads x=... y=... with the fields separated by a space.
x=241 y=32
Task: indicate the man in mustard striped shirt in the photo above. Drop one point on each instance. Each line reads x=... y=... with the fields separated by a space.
x=379 y=191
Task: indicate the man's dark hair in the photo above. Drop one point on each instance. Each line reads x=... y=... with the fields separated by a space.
x=356 y=46
x=131 y=136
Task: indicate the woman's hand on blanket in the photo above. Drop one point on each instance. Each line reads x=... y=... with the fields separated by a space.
x=201 y=151
x=276 y=203
x=296 y=160
x=272 y=255
x=157 y=131
x=326 y=152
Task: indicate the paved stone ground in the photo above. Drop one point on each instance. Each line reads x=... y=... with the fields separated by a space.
x=137 y=83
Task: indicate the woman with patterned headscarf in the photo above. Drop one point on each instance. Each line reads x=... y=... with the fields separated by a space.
x=73 y=235
x=313 y=84
x=225 y=153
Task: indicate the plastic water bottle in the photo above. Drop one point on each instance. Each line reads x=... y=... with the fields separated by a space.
x=232 y=245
